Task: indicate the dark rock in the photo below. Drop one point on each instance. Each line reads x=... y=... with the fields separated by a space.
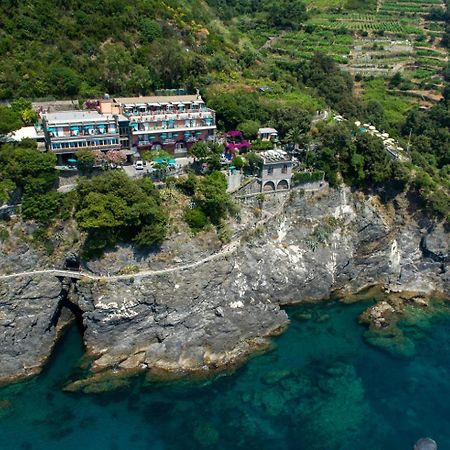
x=425 y=444
x=435 y=245
x=27 y=307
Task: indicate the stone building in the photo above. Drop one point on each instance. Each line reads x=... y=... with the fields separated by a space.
x=268 y=134
x=276 y=171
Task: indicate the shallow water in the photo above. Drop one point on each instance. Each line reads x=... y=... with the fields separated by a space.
x=320 y=387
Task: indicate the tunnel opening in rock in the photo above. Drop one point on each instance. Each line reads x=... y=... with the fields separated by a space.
x=67 y=306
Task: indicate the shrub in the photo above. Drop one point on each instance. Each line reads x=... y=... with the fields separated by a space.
x=249 y=128
x=41 y=207
x=307 y=177
x=196 y=219
x=4 y=234
x=238 y=162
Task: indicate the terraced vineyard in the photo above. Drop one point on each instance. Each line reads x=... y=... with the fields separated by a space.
x=408 y=7
x=365 y=22
x=300 y=45
x=394 y=37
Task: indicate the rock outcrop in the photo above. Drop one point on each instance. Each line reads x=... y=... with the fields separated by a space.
x=212 y=315
x=29 y=308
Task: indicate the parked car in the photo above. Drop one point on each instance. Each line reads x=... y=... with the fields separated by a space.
x=139 y=165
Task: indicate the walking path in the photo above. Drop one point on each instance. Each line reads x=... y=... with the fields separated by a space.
x=227 y=250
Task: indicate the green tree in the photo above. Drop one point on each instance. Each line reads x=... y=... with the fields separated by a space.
x=150 y=30
x=212 y=197
x=7 y=187
x=28 y=168
x=254 y=162
x=287 y=13
x=291 y=117
x=238 y=162
x=10 y=120
x=25 y=110
x=85 y=161
x=249 y=128
x=295 y=137
x=113 y=208
x=377 y=163
x=65 y=81
x=41 y=207
x=199 y=150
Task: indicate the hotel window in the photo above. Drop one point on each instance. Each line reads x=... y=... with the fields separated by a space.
x=284 y=169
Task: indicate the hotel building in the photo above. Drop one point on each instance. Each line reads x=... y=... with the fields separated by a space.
x=67 y=132
x=172 y=123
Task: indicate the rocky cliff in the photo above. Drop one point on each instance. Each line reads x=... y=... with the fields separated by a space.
x=213 y=314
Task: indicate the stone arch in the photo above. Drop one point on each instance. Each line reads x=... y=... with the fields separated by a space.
x=180 y=146
x=269 y=186
x=283 y=185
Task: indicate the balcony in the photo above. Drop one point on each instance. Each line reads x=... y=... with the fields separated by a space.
x=162 y=112
x=175 y=128
x=142 y=144
x=171 y=116
x=60 y=151
x=72 y=137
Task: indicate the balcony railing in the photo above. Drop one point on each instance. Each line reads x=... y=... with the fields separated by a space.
x=175 y=128
x=170 y=116
x=141 y=144
x=160 y=112
x=55 y=137
x=88 y=147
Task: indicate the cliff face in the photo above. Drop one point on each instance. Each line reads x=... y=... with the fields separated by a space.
x=30 y=322
x=212 y=315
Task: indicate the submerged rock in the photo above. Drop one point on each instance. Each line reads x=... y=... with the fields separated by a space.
x=399 y=319
x=425 y=444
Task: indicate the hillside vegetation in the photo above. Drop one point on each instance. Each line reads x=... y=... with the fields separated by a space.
x=85 y=48
x=257 y=62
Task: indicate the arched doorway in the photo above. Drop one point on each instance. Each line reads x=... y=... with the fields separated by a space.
x=283 y=185
x=269 y=186
x=180 y=148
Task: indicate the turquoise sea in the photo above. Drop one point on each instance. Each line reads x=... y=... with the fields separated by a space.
x=321 y=386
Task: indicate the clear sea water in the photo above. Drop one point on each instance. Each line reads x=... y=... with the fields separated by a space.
x=321 y=386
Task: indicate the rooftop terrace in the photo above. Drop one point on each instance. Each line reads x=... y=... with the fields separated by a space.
x=76 y=117
x=273 y=156
x=158 y=99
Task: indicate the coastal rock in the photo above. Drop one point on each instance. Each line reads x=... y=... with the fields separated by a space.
x=150 y=322
x=435 y=245
x=213 y=314
x=378 y=313
x=27 y=308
